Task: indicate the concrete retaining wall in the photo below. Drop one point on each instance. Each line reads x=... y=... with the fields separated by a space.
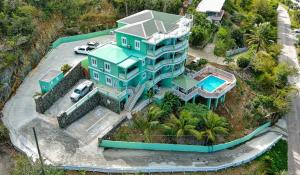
x=45 y=101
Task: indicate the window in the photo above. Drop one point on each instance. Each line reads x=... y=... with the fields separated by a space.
x=137 y=45
x=143 y=62
x=144 y=75
x=94 y=62
x=124 y=41
x=106 y=67
x=108 y=81
x=96 y=75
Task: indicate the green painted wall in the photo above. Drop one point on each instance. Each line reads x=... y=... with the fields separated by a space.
x=130 y=41
x=47 y=86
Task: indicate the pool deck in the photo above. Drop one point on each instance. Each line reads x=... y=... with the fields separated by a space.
x=204 y=73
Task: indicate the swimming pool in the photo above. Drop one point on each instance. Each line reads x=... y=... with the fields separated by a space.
x=211 y=83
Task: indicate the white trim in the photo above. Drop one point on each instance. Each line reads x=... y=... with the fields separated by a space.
x=123 y=38
x=94 y=64
x=107 y=82
x=108 y=69
x=96 y=77
x=135 y=45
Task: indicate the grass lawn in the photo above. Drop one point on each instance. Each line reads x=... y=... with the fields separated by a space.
x=85 y=63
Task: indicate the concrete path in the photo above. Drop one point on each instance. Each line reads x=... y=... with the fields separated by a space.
x=289 y=55
x=207 y=53
x=72 y=151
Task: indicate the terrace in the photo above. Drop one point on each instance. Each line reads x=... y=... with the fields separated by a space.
x=209 y=83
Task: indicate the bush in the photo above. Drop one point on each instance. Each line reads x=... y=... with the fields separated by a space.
x=202 y=62
x=4 y=134
x=276 y=160
x=243 y=61
x=65 y=68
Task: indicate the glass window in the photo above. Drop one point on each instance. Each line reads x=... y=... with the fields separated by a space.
x=108 y=81
x=96 y=75
x=106 y=67
x=124 y=41
x=94 y=62
x=137 y=45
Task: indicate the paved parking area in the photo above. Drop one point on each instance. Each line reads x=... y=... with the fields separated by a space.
x=63 y=103
x=94 y=124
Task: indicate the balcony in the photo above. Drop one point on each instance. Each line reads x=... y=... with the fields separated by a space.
x=180 y=45
x=160 y=77
x=176 y=60
x=129 y=75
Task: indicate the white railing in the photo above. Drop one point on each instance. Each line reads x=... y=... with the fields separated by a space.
x=129 y=75
x=135 y=96
x=176 y=60
x=167 y=48
x=151 y=83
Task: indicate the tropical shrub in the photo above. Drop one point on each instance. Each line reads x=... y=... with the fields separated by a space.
x=4 y=134
x=65 y=68
x=243 y=61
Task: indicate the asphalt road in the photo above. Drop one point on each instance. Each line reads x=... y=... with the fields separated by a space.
x=289 y=55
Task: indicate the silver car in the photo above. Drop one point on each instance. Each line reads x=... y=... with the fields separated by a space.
x=81 y=90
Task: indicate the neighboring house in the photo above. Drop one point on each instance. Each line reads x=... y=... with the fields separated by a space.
x=48 y=81
x=150 y=52
x=213 y=9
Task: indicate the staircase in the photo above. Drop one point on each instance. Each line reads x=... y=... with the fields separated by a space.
x=137 y=92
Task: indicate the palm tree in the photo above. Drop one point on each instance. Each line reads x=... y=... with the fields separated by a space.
x=259 y=36
x=184 y=125
x=149 y=122
x=213 y=125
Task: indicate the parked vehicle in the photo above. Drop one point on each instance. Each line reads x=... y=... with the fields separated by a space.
x=81 y=90
x=85 y=49
x=297 y=31
x=93 y=44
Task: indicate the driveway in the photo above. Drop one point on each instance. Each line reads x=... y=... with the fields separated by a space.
x=289 y=55
x=76 y=147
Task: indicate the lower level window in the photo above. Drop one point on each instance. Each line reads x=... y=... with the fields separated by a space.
x=96 y=75
x=109 y=81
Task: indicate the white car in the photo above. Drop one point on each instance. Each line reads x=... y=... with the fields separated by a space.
x=81 y=90
x=85 y=49
x=93 y=44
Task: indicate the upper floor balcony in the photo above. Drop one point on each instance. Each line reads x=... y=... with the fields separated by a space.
x=168 y=48
x=128 y=74
x=176 y=60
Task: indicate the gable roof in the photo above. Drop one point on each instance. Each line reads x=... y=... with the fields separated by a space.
x=145 y=23
x=210 y=6
x=185 y=82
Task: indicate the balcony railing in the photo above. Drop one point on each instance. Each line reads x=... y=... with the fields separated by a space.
x=167 y=48
x=129 y=75
x=160 y=77
x=176 y=60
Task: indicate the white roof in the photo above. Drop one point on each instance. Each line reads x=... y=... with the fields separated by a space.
x=210 y=6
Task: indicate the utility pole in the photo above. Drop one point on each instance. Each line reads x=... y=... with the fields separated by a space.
x=38 y=148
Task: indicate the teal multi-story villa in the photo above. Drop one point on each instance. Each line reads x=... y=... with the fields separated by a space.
x=150 y=52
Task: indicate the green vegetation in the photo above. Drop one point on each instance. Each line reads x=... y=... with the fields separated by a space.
x=23 y=166
x=172 y=122
x=65 y=68
x=4 y=134
x=202 y=30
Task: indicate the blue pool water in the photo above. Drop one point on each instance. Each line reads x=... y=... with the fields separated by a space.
x=211 y=83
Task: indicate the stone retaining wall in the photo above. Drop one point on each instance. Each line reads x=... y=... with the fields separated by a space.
x=97 y=99
x=45 y=101
x=65 y=119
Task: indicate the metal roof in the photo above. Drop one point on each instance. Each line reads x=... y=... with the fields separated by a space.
x=145 y=23
x=50 y=75
x=185 y=82
x=113 y=53
x=210 y=6
x=127 y=63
